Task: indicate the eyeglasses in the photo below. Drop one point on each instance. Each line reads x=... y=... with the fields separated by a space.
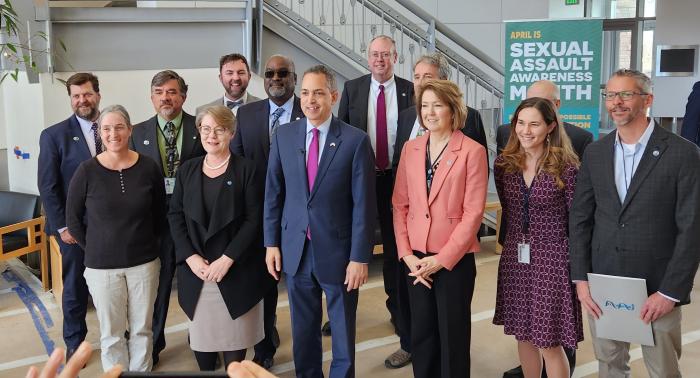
x=624 y=95
x=269 y=74
x=383 y=55
x=206 y=130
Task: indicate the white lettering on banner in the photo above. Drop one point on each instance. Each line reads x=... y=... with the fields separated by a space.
x=518 y=93
x=552 y=64
x=535 y=49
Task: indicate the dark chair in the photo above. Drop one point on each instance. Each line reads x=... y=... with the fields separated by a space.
x=22 y=229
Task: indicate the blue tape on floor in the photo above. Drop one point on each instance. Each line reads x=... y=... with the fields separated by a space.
x=33 y=304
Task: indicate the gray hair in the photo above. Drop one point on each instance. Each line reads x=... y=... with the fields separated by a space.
x=437 y=60
x=327 y=72
x=115 y=109
x=163 y=77
x=382 y=36
x=643 y=81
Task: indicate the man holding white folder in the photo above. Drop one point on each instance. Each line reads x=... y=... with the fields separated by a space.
x=636 y=213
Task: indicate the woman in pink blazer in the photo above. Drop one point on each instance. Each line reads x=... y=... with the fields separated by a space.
x=438 y=201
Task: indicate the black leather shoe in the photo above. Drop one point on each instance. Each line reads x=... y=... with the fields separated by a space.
x=264 y=362
x=70 y=353
x=516 y=372
x=218 y=362
x=155 y=360
x=326 y=329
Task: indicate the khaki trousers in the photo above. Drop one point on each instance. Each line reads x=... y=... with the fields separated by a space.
x=123 y=301
x=661 y=360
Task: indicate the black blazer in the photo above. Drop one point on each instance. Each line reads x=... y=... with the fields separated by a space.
x=353 y=103
x=233 y=229
x=654 y=233
x=580 y=139
x=144 y=139
x=252 y=138
x=473 y=128
x=691 y=119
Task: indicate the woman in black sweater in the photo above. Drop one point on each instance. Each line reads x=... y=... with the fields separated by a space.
x=215 y=220
x=114 y=206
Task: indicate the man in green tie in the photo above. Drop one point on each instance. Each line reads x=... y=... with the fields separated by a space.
x=170 y=138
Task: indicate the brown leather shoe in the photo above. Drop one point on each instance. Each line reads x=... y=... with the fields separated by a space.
x=398 y=359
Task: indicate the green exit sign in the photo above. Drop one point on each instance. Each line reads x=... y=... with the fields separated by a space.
x=571 y=2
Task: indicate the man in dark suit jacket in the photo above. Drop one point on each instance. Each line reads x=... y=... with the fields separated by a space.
x=63 y=147
x=319 y=217
x=691 y=120
x=170 y=138
x=393 y=94
x=636 y=213
x=580 y=139
x=234 y=75
x=252 y=140
x=426 y=67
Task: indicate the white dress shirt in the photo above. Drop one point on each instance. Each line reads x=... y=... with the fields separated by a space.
x=86 y=128
x=392 y=115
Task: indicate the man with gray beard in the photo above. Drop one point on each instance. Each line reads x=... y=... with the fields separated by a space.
x=170 y=138
x=257 y=122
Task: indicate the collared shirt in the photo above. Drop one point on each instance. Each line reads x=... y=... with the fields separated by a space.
x=244 y=98
x=392 y=114
x=161 y=138
x=415 y=129
x=286 y=115
x=627 y=158
x=86 y=128
x=322 y=134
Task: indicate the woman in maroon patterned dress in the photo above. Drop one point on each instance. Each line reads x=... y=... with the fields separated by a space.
x=535 y=177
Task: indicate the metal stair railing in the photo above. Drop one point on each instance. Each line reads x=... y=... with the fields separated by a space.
x=346 y=27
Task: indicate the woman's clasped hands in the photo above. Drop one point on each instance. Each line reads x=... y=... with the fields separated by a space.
x=214 y=272
x=422 y=269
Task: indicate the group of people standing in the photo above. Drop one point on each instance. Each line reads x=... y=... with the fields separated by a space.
x=248 y=188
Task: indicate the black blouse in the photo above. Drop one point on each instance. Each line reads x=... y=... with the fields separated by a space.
x=117 y=216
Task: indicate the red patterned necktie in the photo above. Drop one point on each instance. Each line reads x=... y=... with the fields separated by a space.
x=382 y=142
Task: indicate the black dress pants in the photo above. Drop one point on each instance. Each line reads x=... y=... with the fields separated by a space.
x=165 y=285
x=392 y=268
x=441 y=321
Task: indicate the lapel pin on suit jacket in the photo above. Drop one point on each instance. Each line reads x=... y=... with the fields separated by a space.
x=656 y=153
x=403 y=94
x=76 y=139
x=333 y=144
x=229 y=183
x=298 y=118
x=146 y=142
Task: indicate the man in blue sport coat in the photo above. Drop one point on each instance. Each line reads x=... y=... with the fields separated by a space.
x=63 y=147
x=319 y=219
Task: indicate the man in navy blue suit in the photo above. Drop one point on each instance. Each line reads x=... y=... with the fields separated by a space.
x=691 y=120
x=63 y=147
x=319 y=218
x=256 y=122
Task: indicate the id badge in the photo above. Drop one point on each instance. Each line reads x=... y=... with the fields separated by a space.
x=524 y=253
x=169 y=185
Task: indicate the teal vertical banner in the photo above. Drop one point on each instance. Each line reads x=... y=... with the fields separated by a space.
x=567 y=52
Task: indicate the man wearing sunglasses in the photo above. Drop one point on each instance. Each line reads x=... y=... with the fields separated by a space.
x=257 y=123
x=234 y=74
x=372 y=103
x=636 y=213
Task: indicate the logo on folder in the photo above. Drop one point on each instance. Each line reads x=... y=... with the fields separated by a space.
x=619 y=305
